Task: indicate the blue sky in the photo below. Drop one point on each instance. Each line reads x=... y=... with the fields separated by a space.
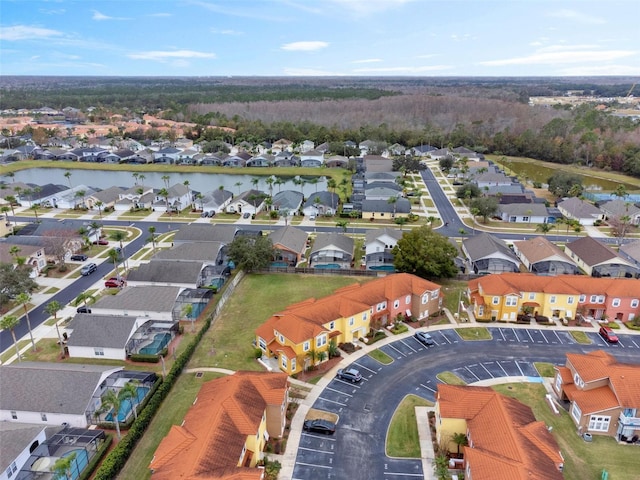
x=320 y=37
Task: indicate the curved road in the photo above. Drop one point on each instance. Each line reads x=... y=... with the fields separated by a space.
x=357 y=450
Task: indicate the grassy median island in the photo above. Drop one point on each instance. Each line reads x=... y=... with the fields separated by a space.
x=402 y=436
x=228 y=343
x=474 y=333
x=582 y=460
x=380 y=356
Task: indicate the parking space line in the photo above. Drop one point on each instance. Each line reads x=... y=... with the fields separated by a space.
x=316 y=450
x=530 y=337
x=428 y=388
x=467 y=369
x=338 y=391
x=318 y=436
x=351 y=384
x=332 y=401
x=485 y=369
x=544 y=336
x=313 y=465
x=502 y=333
x=402 y=474
x=362 y=366
x=502 y=368
x=445 y=337
x=403 y=342
x=620 y=343
x=521 y=372
x=633 y=341
x=558 y=337
x=515 y=335
x=390 y=345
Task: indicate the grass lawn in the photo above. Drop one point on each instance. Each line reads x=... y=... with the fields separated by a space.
x=11 y=351
x=581 y=337
x=227 y=344
x=453 y=290
x=545 y=369
x=582 y=460
x=450 y=378
x=474 y=333
x=171 y=413
x=402 y=436
x=51 y=290
x=381 y=357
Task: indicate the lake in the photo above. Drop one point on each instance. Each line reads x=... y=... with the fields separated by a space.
x=200 y=182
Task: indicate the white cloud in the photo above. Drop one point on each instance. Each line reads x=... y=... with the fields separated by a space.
x=413 y=70
x=238 y=12
x=100 y=17
x=368 y=60
x=566 y=14
x=311 y=46
x=226 y=31
x=563 y=54
x=163 y=56
x=59 y=11
x=367 y=7
x=25 y=32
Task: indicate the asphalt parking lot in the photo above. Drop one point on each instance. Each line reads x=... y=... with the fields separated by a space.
x=357 y=449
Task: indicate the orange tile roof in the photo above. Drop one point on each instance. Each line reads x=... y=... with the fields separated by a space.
x=305 y=320
x=508 y=442
x=208 y=445
x=624 y=380
x=539 y=248
x=591 y=401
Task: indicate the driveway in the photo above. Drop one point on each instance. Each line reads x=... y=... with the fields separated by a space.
x=357 y=450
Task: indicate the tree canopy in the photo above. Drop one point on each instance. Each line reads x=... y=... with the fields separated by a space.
x=13 y=282
x=425 y=253
x=250 y=252
x=468 y=190
x=485 y=207
x=561 y=183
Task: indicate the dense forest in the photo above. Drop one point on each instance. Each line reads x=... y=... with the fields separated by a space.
x=489 y=115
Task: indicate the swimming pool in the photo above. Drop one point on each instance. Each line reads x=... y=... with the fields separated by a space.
x=383 y=268
x=77 y=465
x=333 y=266
x=127 y=405
x=279 y=264
x=160 y=340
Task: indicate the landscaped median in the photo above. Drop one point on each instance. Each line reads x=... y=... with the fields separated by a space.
x=402 y=435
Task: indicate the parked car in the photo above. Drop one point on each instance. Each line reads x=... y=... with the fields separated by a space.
x=114 y=282
x=246 y=215
x=350 y=374
x=102 y=241
x=88 y=269
x=83 y=309
x=79 y=258
x=319 y=426
x=424 y=338
x=608 y=334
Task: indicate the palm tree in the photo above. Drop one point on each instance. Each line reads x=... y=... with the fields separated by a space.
x=165 y=194
x=10 y=322
x=270 y=181
x=130 y=392
x=343 y=224
x=255 y=182
x=52 y=308
x=187 y=311
x=119 y=236
x=460 y=439
x=67 y=175
x=83 y=298
x=135 y=175
x=620 y=191
x=23 y=299
x=545 y=228
x=152 y=231
x=393 y=201
x=99 y=204
x=80 y=194
x=35 y=207
x=165 y=179
x=112 y=401
x=279 y=182
x=12 y=201
x=186 y=183
x=14 y=251
x=11 y=175
x=62 y=466
x=314 y=181
x=238 y=184
x=141 y=177
x=114 y=256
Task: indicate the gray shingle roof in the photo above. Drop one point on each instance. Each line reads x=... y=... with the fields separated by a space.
x=291 y=238
x=530 y=209
x=324 y=240
x=289 y=199
x=199 y=232
x=167 y=271
x=579 y=209
x=632 y=250
x=620 y=208
x=193 y=251
x=107 y=331
x=375 y=233
x=327 y=199
x=16 y=437
x=154 y=298
x=485 y=245
x=50 y=387
x=402 y=205
x=591 y=251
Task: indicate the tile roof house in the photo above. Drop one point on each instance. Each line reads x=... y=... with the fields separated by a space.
x=604 y=394
x=224 y=433
x=489 y=254
x=577 y=209
x=312 y=325
x=505 y=439
x=377 y=247
x=542 y=257
x=506 y=295
x=289 y=243
x=599 y=260
x=331 y=250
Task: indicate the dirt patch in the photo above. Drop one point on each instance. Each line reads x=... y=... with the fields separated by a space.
x=314 y=414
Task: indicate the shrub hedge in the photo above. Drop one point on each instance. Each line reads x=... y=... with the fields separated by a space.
x=117 y=458
x=144 y=358
x=104 y=448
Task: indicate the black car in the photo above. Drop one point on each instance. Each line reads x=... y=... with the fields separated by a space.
x=424 y=338
x=319 y=426
x=350 y=374
x=79 y=258
x=88 y=269
x=83 y=309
